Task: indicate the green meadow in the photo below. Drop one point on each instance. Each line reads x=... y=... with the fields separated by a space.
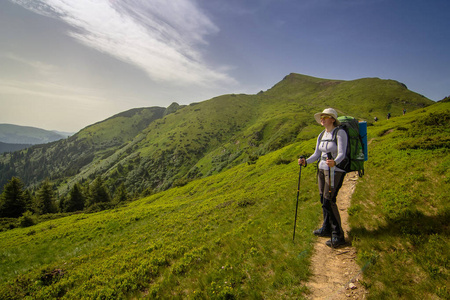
x=401 y=209
x=229 y=235
x=225 y=236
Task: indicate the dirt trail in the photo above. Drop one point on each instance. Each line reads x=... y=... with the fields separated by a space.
x=335 y=272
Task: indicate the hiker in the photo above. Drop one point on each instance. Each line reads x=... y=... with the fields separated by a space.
x=404 y=111
x=328 y=190
x=375 y=119
x=388 y=115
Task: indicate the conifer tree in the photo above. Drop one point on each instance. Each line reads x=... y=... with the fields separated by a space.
x=45 y=199
x=28 y=200
x=98 y=193
x=121 y=194
x=12 y=203
x=76 y=199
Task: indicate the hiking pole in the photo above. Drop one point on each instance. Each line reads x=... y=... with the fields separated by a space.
x=298 y=193
x=330 y=176
x=331 y=173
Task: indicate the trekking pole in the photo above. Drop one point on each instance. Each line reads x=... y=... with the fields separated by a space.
x=330 y=175
x=298 y=193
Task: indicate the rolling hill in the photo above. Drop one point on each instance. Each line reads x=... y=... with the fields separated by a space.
x=153 y=149
x=15 y=134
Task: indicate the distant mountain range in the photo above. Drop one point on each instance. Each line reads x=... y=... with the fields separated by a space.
x=16 y=137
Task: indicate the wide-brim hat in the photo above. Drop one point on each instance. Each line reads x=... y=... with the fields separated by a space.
x=327 y=112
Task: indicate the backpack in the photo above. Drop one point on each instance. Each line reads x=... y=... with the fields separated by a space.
x=356 y=144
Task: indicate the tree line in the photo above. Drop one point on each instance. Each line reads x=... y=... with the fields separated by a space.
x=18 y=202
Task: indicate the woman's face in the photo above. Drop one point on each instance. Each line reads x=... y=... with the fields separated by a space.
x=326 y=120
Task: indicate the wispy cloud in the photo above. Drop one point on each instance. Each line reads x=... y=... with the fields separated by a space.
x=37 y=66
x=51 y=91
x=163 y=38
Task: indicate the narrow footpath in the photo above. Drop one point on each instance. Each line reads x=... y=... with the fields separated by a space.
x=336 y=274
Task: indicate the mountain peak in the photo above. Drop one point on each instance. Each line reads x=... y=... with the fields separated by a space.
x=172 y=108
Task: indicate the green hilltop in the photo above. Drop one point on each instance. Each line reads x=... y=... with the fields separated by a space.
x=153 y=149
x=218 y=223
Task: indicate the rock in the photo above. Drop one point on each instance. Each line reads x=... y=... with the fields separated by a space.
x=352 y=286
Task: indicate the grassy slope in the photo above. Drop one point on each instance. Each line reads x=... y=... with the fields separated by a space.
x=231 y=234
x=401 y=209
x=228 y=234
x=110 y=140
x=65 y=159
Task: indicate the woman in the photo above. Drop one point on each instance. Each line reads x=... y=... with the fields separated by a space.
x=335 y=144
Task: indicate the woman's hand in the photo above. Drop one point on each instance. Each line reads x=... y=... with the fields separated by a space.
x=302 y=161
x=331 y=163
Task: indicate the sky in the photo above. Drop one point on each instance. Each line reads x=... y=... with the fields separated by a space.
x=67 y=64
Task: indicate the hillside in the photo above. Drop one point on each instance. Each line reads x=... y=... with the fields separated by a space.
x=229 y=235
x=152 y=149
x=66 y=158
x=15 y=134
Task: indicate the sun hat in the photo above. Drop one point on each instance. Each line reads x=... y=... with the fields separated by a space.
x=328 y=112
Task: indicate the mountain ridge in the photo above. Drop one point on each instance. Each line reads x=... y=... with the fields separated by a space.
x=156 y=148
x=18 y=134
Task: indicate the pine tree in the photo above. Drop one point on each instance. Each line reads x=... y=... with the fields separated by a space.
x=121 y=194
x=45 y=199
x=12 y=203
x=28 y=200
x=98 y=193
x=76 y=199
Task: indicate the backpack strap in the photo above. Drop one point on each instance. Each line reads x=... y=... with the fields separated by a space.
x=317 y=165
x=321 y=135
x=335 y=132
x=334 y=136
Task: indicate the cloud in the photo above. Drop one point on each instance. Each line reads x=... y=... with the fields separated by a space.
x=40 y=67
x=51 y=91
x=42 y=80
x=163 y=38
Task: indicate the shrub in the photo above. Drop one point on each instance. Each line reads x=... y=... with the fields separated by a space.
x=27 y=219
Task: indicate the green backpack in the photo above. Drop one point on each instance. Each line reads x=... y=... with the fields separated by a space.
x=356 y=144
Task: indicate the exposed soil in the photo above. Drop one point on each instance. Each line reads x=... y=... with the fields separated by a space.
x=335 y=272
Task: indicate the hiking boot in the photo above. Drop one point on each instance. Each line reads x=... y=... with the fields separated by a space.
x=335 y=242
x=322 y=232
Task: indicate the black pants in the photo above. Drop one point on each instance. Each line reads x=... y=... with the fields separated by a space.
x=331 y=217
